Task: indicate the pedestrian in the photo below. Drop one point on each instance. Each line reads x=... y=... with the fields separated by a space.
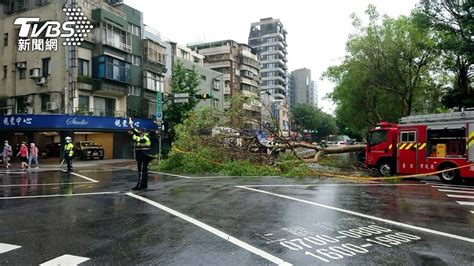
x=7 y=154
x=68 y=153
x=23 y=153
x=33 y=155
x=142 y=144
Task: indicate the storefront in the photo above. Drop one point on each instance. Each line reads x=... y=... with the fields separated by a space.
x=48 y=132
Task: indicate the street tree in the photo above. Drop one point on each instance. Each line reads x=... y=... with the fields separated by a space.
x=183 y=81
x=308 y=117
x=452 y=22
x=385 y=74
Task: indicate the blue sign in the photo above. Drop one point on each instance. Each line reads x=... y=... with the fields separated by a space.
x=159 y=115
x=73 y=122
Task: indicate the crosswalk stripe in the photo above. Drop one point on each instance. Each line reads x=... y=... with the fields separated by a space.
x=445 y=184
x=460 y=196
x=451 y=187
x=456 y=191
x=7 y=247
x=469 y=203
x=472 y=211
x=65 y=260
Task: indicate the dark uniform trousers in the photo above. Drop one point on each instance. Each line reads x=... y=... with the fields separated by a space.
x=143 y=159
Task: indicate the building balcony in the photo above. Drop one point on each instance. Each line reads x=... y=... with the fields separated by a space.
x=116 y=44
x=250 y=107
x=249 y=94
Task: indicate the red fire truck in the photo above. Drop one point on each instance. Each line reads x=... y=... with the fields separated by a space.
x=424 y=144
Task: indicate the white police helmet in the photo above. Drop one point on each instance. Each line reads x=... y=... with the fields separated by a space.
x=68 y=139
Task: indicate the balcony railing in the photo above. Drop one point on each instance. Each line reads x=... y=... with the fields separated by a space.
x=119 y=45
x=98 y=112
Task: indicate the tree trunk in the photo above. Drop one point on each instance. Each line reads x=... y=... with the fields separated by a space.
x=335 y=150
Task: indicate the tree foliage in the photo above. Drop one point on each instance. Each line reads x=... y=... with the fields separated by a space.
x=452 y=22
x=183 y=81
x=385 y=74
x=306 y=116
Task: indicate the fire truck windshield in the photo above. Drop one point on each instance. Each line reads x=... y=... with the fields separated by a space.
x=376 y=137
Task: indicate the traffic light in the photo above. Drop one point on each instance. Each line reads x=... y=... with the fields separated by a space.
x=203 y=96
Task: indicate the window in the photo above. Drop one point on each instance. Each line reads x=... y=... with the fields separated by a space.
x=154 y=81
x=215 y=84
x=215 y=102
x=203 y=77
x=22 y=72
x=134 y=91
x=104 y=106
x=106 y=67
x=46 y=63
x=5 y=39
x=136 y=60
x=134 y=29
x=83 y=67
x=155 y=52
x=116 y=37
x=376 y=137
x=408 y=136
x=21 y=105
x=45 y=98
x=83 y=106
x=5 y=71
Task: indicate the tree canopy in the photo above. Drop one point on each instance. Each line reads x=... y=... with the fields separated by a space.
x=308 y=117
x=385 y=74
x=452 y=25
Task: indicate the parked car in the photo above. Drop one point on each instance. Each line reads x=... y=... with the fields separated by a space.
x=89 y=150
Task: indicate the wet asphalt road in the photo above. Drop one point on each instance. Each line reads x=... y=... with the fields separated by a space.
x=92 y=217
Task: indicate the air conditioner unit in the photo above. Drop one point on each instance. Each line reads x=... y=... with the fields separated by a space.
x=21 y=65
x=35 y=73
x=28 y=99
x=9 y=111
x=41 y=81
x=51 y=106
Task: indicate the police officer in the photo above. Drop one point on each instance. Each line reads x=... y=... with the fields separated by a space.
x=68 y=153
x=142 y=145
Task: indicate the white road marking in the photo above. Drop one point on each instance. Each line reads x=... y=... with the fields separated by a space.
x=472 y=211
x=366 y=245
x=7 y=247
x=365 y=215
x=214 y=231
x=46 y=184
x=468 y=203
x=85 y=177
x=65 y=260
x=340 y=236
x=454 y=188
x=456 y=191
x=60 y=195
x=336 y=185
x=460 y=196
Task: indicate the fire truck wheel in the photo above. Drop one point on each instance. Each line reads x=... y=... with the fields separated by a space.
x=450 y=176
x=385 y=168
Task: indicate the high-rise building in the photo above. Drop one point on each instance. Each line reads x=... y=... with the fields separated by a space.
x=302 y=88
x=240 y=69
x=268 y=40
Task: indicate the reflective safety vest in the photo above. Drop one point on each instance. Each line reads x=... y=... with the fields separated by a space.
x=142 y=143
x=69 y=150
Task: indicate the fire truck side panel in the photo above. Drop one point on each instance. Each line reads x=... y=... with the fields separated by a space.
x=433 y=164
x=409 y=155
x=470 y=142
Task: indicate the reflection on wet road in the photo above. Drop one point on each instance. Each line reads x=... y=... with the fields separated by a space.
x=91 y=217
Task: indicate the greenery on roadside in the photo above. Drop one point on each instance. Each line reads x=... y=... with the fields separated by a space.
x=195 y=150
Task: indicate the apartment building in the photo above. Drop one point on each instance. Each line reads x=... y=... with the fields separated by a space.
x=86 y=90
x=212 y=82
x=267 y=38
x=240 y=70
x=302 y=88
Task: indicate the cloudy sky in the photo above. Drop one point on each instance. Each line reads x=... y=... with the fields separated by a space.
x=317 y=30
